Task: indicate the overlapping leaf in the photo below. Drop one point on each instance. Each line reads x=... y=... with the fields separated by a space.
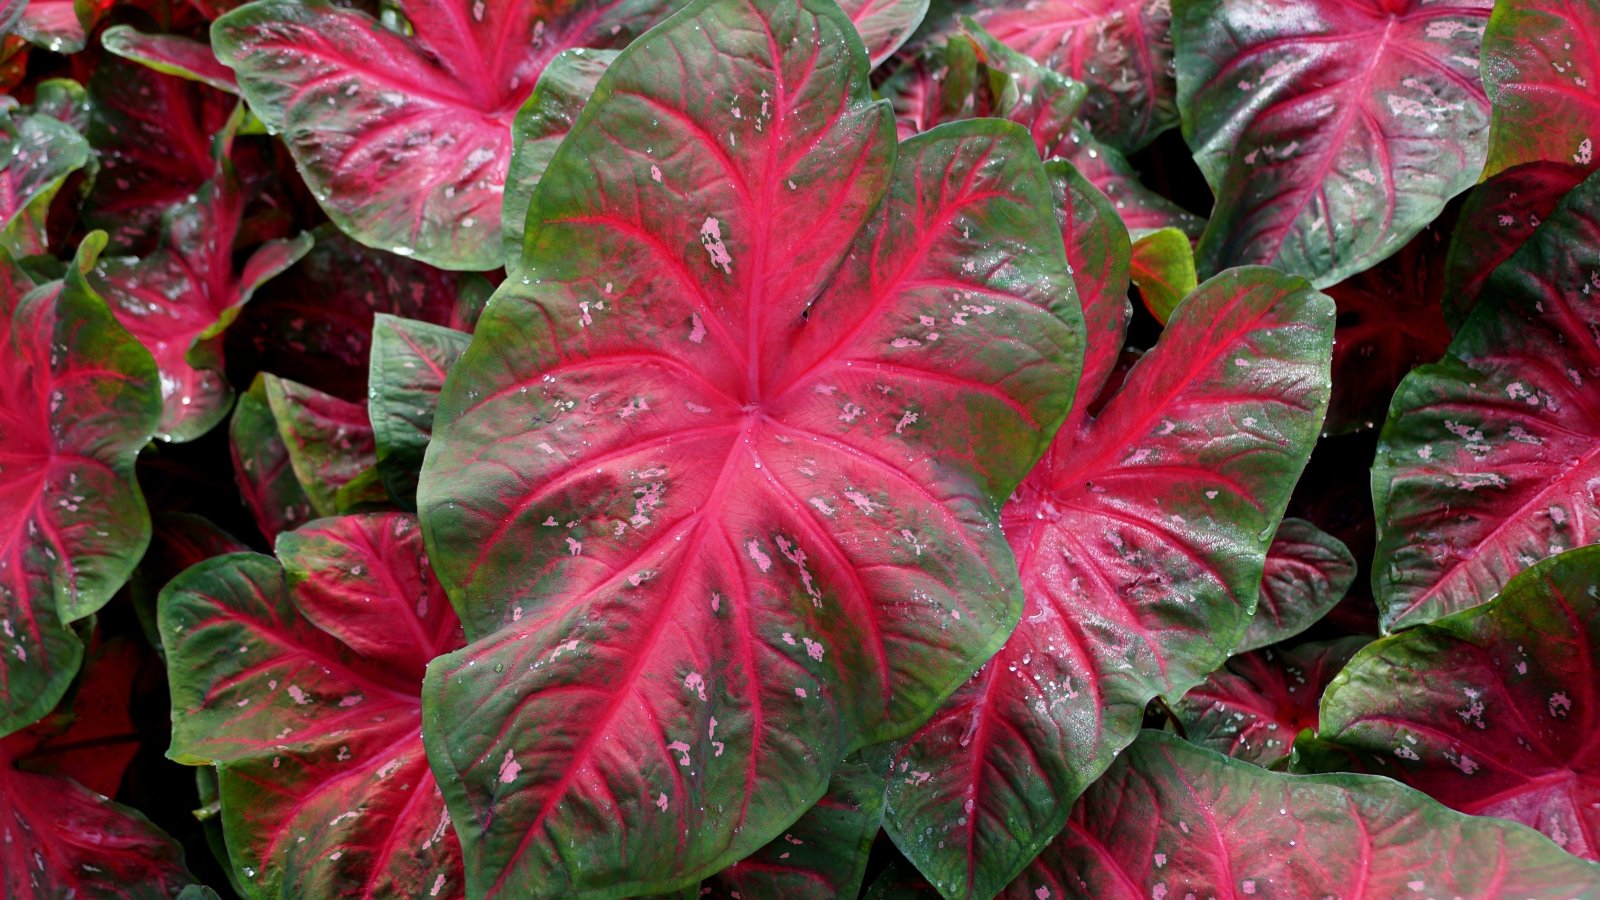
x=1330 y=132
x=37 y=152
x=1307 y=571
x=78 y=398
x=409 y=362
x=1253 y=708
x=759 y=455
x=178 y=300
x=171 y=54
x=1171 y=819
x=1140 y=539
x=1120 y=49
x=1490 y=457
x=884 y=24
x=301 y=682
x=329 y=443
x=1541 y=68
x=1497 y=712
x=365 y=108
x=60 y=836
x=261 y=465
x=1162 y=267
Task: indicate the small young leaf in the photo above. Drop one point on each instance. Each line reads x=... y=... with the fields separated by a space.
x=409 y=362
x=1162 y=268
x=171 y=54
x=1307 y=572
x=261 y=466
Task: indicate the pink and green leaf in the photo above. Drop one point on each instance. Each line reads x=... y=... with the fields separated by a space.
x=770 y=376
x=79 y=397
x=409 y=362
x=171 y=54
x=330 y=446
x=1541 y=68
x=884 y=25
x=1330 y=132
x=261 y=466
x=1141 y=539
x=37 y=152
x=1490 y=458
x=1171 y=819
x=1162 y=267
x=364 y=108
x=299 y=678
x=1492 y=710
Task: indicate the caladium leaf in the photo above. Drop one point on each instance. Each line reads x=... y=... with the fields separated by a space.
x=1330 y=133
x=1497 y=217
x=78 y=398
x=884 y=25
x=1170 y=819
x=266 y=478
x=762 y=440
x=1306 y=573
x=177 y=541
x=37 y=152
x=1253 y=708
x=409 y=362
x=365 y=108
x=155 y=135
x=1489 y=458
x=62 y=836
x=314 y=323
x=301 y=682
x=1140 y=538
x=1162 y=267
x=1496 y=715
x=171 y=54
x=178 y=300
x=1121 y=49
x=823 y=855
x=330 y=446
x=1541 y=66
x=60 y=26
x=1391 y=320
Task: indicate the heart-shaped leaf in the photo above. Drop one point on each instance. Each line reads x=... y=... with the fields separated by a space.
x=1253 y=708
x=301 y=682
x=1162 y=267
x=1140 y=539
x=1541 y=68
x=1490 y=457
x=1306 y=573
x=155 y=136
x=1497 y=217
x=1391 y=320
x=1120 y=49
x=261 y=466
x=365 y=108
x=178 y=300
x=1330 y=132
x=409 y=362
x=313 y=324
x=78 y=398
x=1494 y=713
x=1170 y=819
x=171 y=54
x=824 y=854
x=759 y=384
x=64 y=837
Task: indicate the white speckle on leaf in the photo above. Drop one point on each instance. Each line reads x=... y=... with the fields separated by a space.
x=711 y=239
x=509 y=768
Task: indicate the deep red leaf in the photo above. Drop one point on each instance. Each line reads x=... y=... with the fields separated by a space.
x=752 y=404
x=301 y=682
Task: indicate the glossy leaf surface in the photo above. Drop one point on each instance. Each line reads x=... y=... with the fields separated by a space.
x=179 y=299
x=171 y=54
x=1307 y=572
x=1171 y=819
x=766 y=432
x=884 y=25
x=1120 y=49
x=1490 y=457
x=409 y=362
x=301 y=681
x=37 y=152
x=1140 y=539
x=261 y=466
x=1498 y=714
x=1252 y=708
x=60 y=836
x=1541 y=68
x=1330 y=132
x=78 y=398
x=364 y=109
x=329 y=442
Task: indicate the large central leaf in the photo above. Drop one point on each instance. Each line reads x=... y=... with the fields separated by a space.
x=1330 y=131
x=405 y=137
x=715 y=487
